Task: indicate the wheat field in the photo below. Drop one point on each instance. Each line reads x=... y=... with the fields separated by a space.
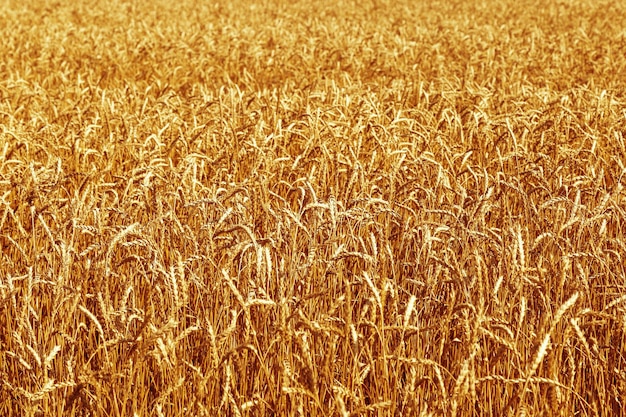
x=298 y=208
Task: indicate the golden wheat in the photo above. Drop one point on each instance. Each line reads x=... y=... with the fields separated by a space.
x=312 y=208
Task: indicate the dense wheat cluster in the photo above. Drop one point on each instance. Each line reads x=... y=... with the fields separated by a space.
x=312 y=208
